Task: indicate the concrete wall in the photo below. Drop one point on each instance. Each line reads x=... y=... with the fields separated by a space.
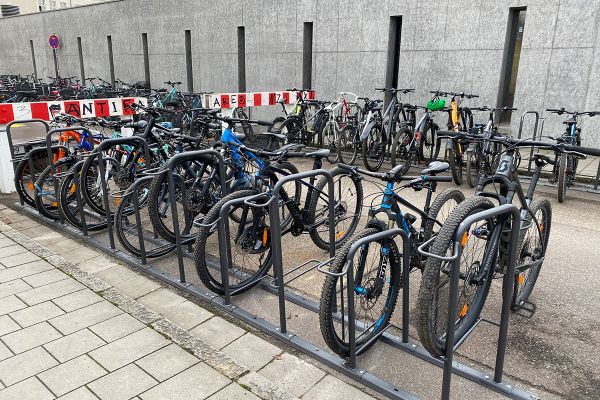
x=454 y=45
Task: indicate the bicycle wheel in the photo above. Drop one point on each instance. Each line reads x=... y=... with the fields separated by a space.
x=479 y=254
x=440 y=210
x=532 y=250
x=46 y=199
x=24 y=185
x=562 y=177
x=292 y=130
x=473 y=167
x=455 y=161
x=330 y=140
x=250 y=246
x=71 y=210
x=348 y=196
x=373 y=148
x=375 y=295
x=127 y=228
x=430 y=143
x=401 y=151
x=347 y=148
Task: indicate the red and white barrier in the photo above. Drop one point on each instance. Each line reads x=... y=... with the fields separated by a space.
x=256 y=99
x=89 y=108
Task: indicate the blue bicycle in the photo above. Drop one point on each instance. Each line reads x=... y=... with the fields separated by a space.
x=377 y=265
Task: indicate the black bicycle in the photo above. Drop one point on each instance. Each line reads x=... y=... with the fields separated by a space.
x=486 y=244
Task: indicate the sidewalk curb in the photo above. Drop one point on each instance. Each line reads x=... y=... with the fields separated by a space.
x=215 y=358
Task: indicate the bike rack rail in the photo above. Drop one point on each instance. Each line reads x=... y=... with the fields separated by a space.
x=536 y=134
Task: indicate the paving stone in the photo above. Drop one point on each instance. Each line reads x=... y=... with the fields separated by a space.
x=11 y=303
x=5 y=242
x=217 y=359
x=334 y=389
x=24 y=365
x=295 y=375
x=63 y=244
x=30 y=337
x=217 y=332
x=18 y=259
x=82 y=393
x=71 y=375
x=263 y=387
x=12 y=250
x=233 y=392
x=8 y=325
x=23 y=270
x=198 y=382
x=128 y=349
x=29 y=389
x=123 y=383
x=116 y=273
x=96 y=264
x=44 y=278
x=117 y=327
x=84 y=317
x=137 y=287
x=252 y=351
x=77 y=300
x=74 y=345
x=51 y=291
x=187 y=314
x=4 y=352
x=78 y=254
x=161 y=300
x=13 y=287
x=25 y=223
x=166 y=362
x=38 y=313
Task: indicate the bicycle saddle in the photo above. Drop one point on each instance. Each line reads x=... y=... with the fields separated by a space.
x=136 y=125
x=322 y=153
x=435 y=167
x=277 y=136
x=291 y=147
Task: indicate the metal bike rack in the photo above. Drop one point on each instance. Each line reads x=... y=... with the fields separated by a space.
x=280 y=331
x=507 y=292
x=97 y=153
x=15 y=159
x=535 y=131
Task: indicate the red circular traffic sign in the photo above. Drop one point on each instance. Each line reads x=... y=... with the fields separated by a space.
x=54 y=41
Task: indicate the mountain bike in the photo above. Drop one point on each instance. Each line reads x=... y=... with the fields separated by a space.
x=377 y=267
x=418 y=142
x=486 y=244
x=482 y=155
x=565 y=165
x=338 y=114
x=459 y=119
x=349 y=143
x=250 y=226
x=379 y=128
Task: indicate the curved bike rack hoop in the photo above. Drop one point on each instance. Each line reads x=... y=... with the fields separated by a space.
x=197 y=155
x=97 y=152
x=508 y=210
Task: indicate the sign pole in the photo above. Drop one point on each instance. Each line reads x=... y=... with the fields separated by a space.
x=57 y=74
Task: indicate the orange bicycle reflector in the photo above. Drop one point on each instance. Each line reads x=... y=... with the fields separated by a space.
x=464 y=240
x=463 y=311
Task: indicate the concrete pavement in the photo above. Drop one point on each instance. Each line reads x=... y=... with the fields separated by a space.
x=77 y=325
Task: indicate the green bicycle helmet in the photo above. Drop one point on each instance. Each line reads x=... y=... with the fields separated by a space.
x=436 y=104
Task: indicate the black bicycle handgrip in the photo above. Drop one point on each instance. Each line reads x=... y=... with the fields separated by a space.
x=264 y=123
x=590 y=151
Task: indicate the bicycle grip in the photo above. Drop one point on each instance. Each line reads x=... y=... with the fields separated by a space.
x=442 y=178
x=590 y=151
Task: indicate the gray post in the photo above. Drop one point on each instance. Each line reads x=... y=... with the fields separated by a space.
x=307 y=44
x=35 y=74
x=81 y=67
x=111 y=62
x=188 y=60
x=241 y=36
x=146 y=59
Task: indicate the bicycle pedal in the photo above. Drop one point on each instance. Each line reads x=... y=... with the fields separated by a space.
x=525 y=309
